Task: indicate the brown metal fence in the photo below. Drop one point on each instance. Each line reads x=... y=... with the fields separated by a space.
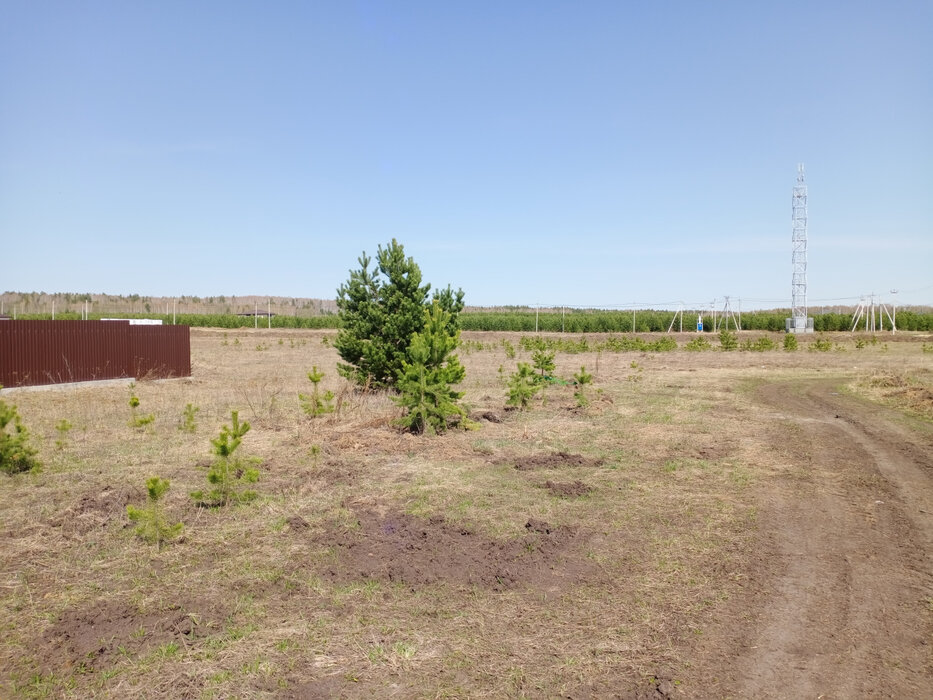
x=55 y=352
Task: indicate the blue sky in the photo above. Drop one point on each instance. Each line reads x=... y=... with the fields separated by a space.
x=585 y=153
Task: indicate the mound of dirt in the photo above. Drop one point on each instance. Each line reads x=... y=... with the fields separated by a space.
x=401 y=548
x=95 y=636
x=96 y=510
x=552 y=460
x=567 y=489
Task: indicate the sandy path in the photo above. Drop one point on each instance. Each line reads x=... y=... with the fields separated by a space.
x=841 y=605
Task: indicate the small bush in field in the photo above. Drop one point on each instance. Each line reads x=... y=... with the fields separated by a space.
x=820 y=345
x=523 y=385
x=152 y=526
x=62 y=428
x=427 y=375
x=137 y=420
x=317 y=403
x=790 y=342
x=763 y=344
x=544 y=363
x=16 y=455
x=188 y=424
x=229 y=472
x=698 y=344
x=727 y=340
x=582 y=378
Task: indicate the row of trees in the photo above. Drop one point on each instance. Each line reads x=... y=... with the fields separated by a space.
x=646 y=321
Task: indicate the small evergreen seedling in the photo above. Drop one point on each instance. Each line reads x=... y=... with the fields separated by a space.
x=582 y=379
x=16 y=455
x=188 y=424
x=62 y=428
x=229 y=472
x=317 y=403
x=728 y=340
x=544 y=363
x=136 y=420
x=152 y=526
x=698 y=344
x=790 y=342
x=523 y=385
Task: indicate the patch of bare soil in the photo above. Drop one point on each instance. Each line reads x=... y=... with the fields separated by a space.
x=95 y=637
x=567 y=489
x=400 y=548
x=838 y=604
x=551 y=460
x=96 y=510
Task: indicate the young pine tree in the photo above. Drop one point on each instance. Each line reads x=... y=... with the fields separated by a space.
x=427 y=375
x=16 y=454
x=229 y=471
x=318 y=402
x=380 y=311
x=152 y=526
x=523 y=385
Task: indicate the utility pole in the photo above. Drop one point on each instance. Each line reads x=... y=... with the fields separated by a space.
x=799 y=322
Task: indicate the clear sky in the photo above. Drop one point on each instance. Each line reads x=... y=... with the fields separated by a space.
x=578 y=153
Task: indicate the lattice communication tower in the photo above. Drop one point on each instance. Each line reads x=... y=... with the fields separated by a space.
x=799 y=322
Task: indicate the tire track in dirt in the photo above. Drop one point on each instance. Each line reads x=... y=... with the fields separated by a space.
x=843 y=593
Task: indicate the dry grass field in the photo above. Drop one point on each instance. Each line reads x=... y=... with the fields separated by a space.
x=712 y=524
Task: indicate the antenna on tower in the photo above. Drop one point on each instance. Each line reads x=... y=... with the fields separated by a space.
x=799 y=322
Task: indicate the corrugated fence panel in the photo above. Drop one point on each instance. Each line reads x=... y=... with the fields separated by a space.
x=54 y=352
x=160 y=351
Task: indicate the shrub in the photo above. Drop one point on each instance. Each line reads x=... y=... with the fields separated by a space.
x=136 y=420
x=188 y=424
x=543 y=362
x=523 y=385
x=426 y=377
x=318 y=403
x=727 y=340
x=698 y=344
x=380 y=311
x=582 y=379
x=16 y=454
x=790 y=342
x=62 y=428
x=762 y=344
x=229 y=472
x=820 y=345
x=152 y=526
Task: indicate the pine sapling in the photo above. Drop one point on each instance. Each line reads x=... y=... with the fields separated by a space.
x=544 y=363
x=229 y=472
x=152 y=525
x=523 y=385
x=425 y=379
x=582 y=379
x=136 y=420
x=188 y=423
x=62 y=428
x=728 y=340
x=317 y=403
x=16 y=454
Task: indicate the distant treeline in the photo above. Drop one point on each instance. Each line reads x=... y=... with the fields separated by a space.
x=572 y=321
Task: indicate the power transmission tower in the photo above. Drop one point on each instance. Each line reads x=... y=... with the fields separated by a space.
x=799 y=322
x=728 y=315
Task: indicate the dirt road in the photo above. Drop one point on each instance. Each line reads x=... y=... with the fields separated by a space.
x=841 y=604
